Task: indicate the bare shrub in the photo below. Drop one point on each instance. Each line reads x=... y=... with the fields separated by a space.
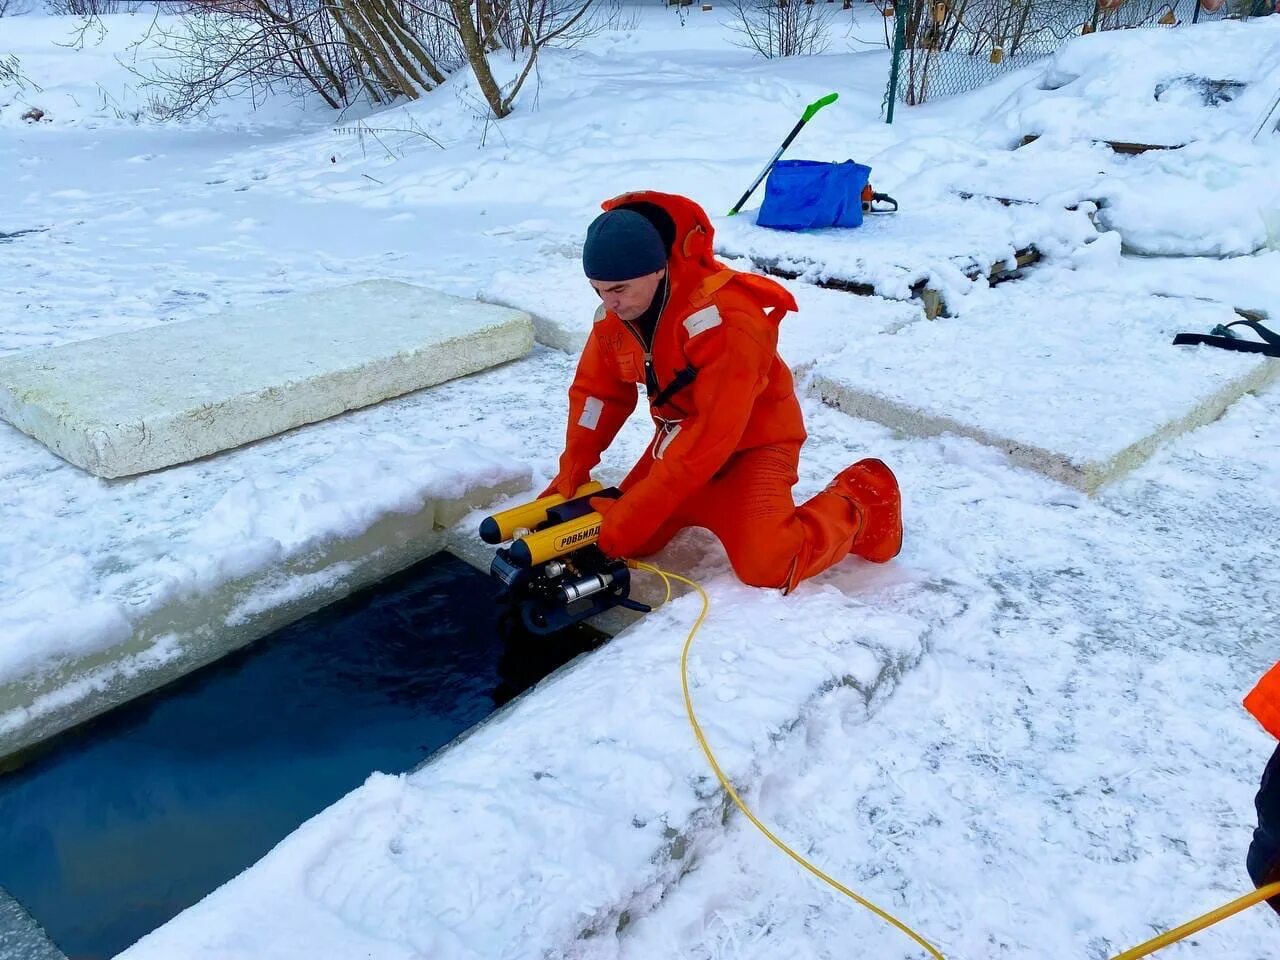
x=11 y=73
x=344 y=51
x=524 y=27
x=781 y=28
x=93 y=8
x=348 y=51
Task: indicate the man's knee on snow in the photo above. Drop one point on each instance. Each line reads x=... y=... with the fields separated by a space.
x=761 y=570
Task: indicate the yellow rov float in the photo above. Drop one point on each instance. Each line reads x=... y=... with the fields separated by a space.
x=553 y=569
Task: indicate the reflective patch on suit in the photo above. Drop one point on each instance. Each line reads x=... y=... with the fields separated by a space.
x=600 y=311
x=591 y=411
x=705 y=319
x=666 y=433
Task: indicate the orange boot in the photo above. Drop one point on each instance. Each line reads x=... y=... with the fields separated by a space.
x=872 y=490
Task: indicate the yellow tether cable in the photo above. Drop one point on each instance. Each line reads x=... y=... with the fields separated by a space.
x=733 y=794
x=1136 y=953
x=1199 y=923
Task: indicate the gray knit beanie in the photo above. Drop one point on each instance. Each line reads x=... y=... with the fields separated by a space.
x=622 y=245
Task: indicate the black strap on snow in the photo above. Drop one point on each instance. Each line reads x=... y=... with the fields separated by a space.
x=1226 y=343
x=1223 y=338
x=678 y=383
x=1267 y=335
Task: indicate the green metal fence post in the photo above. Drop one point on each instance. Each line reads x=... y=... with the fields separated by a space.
x=901 y=10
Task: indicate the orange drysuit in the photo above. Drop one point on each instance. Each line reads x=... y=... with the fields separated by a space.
x=728 y=425
x=1264 y=701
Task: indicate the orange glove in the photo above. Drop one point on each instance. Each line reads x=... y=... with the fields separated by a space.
x=567 y=481
x=621 y=532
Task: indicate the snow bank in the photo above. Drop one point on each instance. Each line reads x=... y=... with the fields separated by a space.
x=1201 y=89
x=1197 y=82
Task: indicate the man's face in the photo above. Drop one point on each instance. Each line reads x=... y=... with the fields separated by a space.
x=629 y=298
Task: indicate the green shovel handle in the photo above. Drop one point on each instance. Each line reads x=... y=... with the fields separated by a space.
x=817 y=105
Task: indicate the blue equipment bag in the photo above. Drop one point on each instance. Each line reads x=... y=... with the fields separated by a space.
x=811 y=194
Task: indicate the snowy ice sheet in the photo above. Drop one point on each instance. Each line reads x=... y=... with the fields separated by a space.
x=1081 y=384
x=133 y=402
x=1250 y=283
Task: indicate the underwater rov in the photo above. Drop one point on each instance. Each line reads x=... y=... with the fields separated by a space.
x=553 y=571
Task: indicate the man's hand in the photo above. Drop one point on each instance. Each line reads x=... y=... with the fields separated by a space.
x=566 y=483
x=621 y=533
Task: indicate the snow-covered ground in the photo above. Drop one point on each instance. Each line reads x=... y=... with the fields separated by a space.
x=1024 y=735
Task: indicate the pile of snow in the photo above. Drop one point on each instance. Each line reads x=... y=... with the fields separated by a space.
x=1201 y=89
x=1170 y=87
x=1226 y=200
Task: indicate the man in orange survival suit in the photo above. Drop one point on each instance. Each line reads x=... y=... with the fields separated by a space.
x=1263 y=861
x=703 y=339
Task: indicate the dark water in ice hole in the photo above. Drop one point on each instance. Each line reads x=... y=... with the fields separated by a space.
x=139 y=814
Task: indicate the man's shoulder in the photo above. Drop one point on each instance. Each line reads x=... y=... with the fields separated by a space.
x=734 y=304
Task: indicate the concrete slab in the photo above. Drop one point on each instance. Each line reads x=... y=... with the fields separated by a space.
x=947 y=245
x=134 y=402
x=1082 y=388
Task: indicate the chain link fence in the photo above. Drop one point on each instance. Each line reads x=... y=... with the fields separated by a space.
x=943 y=47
